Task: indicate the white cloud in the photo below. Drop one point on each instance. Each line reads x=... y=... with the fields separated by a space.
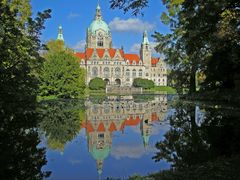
x=131 y=24
x=80 y=45
x=133 y=151
x=73 y=15
x=135 y=48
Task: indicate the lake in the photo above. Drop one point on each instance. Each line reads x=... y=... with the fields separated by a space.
x=112 y=137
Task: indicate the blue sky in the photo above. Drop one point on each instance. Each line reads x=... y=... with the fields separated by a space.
x=76 y=16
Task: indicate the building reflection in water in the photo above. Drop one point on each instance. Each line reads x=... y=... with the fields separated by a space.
x=115 y=114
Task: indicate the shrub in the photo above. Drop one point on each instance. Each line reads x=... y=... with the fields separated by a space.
x=97 y=84
x=144 y=83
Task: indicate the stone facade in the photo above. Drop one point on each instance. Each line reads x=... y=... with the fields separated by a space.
x=115 y=66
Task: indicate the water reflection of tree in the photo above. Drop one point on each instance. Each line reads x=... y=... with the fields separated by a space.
x=20 y=157
x=61 y=121
x=206 y=150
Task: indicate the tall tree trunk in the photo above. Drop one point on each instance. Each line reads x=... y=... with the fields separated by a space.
x=192 y=88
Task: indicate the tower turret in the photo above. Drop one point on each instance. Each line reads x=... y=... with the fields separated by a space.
x=60 y=33
x=98 y=34
x=145 y=51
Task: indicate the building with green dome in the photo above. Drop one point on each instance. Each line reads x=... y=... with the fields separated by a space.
x=114 y=65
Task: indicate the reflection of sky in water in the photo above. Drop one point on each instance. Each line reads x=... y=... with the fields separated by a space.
x=127 y=155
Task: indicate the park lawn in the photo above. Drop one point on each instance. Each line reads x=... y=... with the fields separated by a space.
x=167 y=89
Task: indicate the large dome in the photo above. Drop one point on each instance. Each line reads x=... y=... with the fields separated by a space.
x=98 y=24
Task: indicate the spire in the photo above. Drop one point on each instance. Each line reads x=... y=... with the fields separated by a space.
x=60 y=34
x=98 y=15
x=145 y=38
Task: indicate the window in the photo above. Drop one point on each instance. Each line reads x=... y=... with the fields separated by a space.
x=117 y=71
x=100 y=42
x=127 y=72
x=106 y=72
x=134 y=74
x=100 y=135
x=140 y=73
x=94 y=71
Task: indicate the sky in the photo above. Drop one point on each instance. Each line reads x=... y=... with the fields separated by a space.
x=75 y=16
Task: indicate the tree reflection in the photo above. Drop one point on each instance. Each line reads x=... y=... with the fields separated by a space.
x=61 y=121
x=20 y=157
x=201 y=147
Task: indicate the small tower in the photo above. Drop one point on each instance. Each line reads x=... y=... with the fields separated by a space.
x=145 y=127
x=60 y=34
x=145 y=51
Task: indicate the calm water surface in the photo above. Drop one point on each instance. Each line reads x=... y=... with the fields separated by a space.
x=112 y=136
x=119 y=136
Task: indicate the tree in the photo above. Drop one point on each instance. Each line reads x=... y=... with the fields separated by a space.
x=61 y=75
x=144 y=83
x=23 y=9
x=97 y=84
x=20 y=155
x=204 y=39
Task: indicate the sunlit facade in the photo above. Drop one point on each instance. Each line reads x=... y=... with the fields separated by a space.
x=115 y=66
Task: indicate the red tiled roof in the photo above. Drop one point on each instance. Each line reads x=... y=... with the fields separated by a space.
x=132 y=57
x=112 y=127
x=80 y=55
x=89 y=52
x=132 y=122
x=154 y=61
x=112 y=52
x=154 y=116
x=101 y=127
x=89 y=127
x=100 y=52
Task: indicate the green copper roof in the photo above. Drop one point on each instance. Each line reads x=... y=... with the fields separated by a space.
x=145 y=38
x=60 y=33
x=146 y=140
x=98 y=24
x=100 y=154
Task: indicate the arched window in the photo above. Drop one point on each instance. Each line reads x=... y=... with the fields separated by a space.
x=134 y=74
x=117 y=71
x=106 y=72
x=100 y=41
x=94 y=71
x=127 y=72
x=140 y=73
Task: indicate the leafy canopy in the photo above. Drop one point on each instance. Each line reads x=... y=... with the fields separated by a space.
x=61 y=75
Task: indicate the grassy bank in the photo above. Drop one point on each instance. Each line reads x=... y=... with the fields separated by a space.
x=167 y=89
x=89 y=92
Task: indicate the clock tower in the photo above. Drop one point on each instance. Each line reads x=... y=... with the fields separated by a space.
x=98 y=34
x=145 y=51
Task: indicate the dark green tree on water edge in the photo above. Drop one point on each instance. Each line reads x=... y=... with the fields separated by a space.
x=61 y=75
x=19 y=62
x=204 y=40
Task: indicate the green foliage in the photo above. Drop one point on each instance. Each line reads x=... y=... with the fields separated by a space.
x=60 y=121
x=135 y=6
x=21 y=157
x=61 y=75
x=144 y=83
x=97 y=84
x=23 y=9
